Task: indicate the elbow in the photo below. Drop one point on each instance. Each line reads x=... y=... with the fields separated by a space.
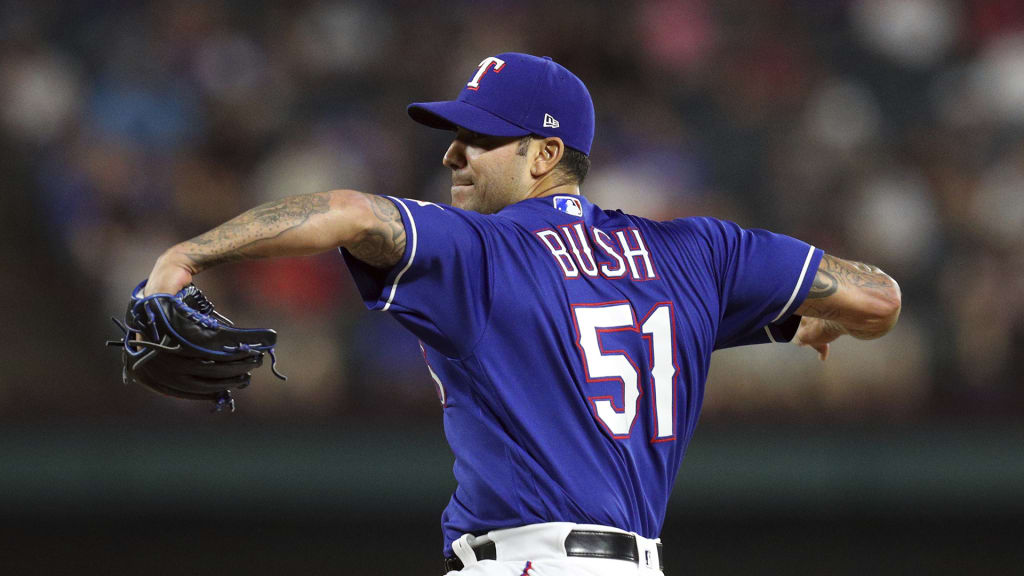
x=350 y=210
x=896 y=299
x=892 y=304
x=346 y=199
x=883 y=312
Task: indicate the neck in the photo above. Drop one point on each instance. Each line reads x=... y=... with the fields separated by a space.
x=546 y=188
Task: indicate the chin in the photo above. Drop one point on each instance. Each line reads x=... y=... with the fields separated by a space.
x=465 y=202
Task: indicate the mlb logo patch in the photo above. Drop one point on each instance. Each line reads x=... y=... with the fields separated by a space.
x=569 y=205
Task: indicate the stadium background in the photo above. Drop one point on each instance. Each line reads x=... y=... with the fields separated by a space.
x=882 y=130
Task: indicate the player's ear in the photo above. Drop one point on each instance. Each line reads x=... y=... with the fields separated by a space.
x=547 y=155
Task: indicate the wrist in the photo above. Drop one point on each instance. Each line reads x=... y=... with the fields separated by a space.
x=172 y=272
x=177 y=257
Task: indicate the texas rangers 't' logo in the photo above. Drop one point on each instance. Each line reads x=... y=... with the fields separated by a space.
x=498 y=63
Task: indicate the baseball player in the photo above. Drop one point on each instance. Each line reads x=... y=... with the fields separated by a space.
x=569 y=344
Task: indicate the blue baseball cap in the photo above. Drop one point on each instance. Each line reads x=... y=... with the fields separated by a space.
x=514 y=94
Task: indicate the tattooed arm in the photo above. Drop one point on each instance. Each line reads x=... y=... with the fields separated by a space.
x=369 y=226
x=847 y=298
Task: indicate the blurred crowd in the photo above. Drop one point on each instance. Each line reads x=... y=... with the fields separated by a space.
x=888 y=131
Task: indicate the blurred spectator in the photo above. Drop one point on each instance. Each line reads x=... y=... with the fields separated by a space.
x=887 y=130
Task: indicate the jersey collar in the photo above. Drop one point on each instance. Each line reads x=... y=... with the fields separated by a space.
x=568 y=206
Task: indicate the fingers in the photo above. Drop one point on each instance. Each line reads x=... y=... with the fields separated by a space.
x=822 y=351
x=817 y=333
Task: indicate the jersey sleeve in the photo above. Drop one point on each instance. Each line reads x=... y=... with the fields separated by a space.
x=762 y=278
x=441 y=288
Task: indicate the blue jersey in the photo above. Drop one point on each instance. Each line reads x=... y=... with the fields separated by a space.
x=570 y=346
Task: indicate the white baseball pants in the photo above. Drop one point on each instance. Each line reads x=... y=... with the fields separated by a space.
x=539 y=550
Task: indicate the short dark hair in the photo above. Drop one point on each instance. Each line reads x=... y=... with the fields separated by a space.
x=574 y=165
x=572 y=168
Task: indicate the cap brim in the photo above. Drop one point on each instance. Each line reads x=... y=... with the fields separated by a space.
x=452 y=114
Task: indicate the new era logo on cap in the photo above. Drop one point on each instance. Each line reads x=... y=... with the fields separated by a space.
x=513 y=95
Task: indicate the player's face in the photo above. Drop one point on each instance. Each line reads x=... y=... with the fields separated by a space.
x=487 y=172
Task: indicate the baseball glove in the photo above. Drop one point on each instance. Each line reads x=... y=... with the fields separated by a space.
x=178 y=345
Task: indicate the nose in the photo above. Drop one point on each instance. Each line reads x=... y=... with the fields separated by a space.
x=455 y=157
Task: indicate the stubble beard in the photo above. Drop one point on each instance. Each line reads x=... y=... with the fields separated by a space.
x=477 y=202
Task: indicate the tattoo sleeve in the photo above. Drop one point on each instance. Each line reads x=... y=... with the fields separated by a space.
x=243 y=236
x=383 y=243
x=836 y=273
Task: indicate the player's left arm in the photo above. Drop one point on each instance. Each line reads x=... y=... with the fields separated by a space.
x=850 y=298
x=368 y=226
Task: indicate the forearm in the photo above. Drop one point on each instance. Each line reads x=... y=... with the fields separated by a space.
x=860 y=326
x=369 y=226
x=864 y=329
x=853 y=298
x=293 y=226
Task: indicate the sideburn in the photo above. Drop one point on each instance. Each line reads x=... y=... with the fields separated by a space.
x=524 y=145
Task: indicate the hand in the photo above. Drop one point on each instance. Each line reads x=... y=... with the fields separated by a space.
x=170 y=274
x=817 y=334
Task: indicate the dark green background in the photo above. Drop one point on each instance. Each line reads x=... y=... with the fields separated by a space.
x=240 y=498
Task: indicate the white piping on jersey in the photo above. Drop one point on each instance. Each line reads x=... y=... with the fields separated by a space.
x=771 y=338
x=412 y=254
x=796 y=289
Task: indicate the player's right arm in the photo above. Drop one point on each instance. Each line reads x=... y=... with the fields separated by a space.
x=368 y=226
x=847 y=298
